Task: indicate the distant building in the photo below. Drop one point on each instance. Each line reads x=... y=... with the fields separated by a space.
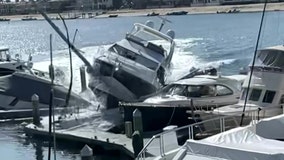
x=139 y=4
x=117 y=4
x=167 y=3
x=205 y=2
x=104 y=4
x=6 y=8
x=85 y=5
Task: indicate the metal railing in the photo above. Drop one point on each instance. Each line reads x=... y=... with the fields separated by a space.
x=252 y=117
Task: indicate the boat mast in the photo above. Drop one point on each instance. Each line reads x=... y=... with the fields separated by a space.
x=59 y=32
x=253 y=60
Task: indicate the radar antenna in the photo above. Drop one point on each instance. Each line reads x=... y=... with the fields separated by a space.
x=163 y=22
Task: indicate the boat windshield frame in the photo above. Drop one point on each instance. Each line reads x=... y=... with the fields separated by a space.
x=156 y=35
x=131 y=55
x=4 y=54
x=269 y=59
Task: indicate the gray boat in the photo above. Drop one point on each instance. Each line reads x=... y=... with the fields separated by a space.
x=19 y=81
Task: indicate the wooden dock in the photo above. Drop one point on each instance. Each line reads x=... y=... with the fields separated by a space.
x=86 y=134
x=95 y=138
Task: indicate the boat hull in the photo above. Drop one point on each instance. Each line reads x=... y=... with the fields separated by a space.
x=156 y=118
x=120 y=84
x=17 y=89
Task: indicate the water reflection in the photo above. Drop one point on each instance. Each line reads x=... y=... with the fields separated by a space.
x=39 y=150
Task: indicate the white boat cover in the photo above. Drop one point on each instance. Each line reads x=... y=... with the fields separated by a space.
x=271 y=128
x=237 y=144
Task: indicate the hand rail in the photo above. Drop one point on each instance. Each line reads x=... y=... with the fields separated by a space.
x=142 y=153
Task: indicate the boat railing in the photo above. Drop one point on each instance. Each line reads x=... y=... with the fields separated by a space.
x=199 y=130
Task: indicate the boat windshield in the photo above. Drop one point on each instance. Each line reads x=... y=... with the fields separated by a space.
x=270 y=58
x=190 y=90
x=134 y=57
x=4 y=54
x=147 y=36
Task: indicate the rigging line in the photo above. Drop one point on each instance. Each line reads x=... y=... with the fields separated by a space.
x=58 y=31
x=74 y=38
x=253 y=61
x=50 y=99
x=51 y=71
x=70 y=61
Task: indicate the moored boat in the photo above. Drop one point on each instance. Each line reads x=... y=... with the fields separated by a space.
x=19 y=82
x=177 y=13
x=153 y=14
x=4 y=19
x=178 y=101
x=266 y=90
x=29 y=18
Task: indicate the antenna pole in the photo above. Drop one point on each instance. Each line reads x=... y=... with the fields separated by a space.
x=253 y=61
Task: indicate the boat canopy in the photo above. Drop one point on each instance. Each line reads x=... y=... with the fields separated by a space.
x=271 y=57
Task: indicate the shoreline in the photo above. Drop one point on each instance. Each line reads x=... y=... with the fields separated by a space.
x=244 y=8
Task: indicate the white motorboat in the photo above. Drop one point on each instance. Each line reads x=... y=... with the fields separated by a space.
x=19 y=81
x=266 y=90
x=202 y=90
x=189 y=97
x=260 y=140
x=135 y=66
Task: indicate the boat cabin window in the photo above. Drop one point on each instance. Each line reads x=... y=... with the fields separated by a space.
x=282 y=99
x=255 y=94
x=5 y=72
x=176 y=90
x=268 y=96
x=197 y=90
x=244 y=93
x=134 y=57
x=271 y=58
x=223 y=90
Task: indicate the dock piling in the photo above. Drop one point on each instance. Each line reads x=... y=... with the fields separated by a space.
x=137 y=143
x=137 y=121
x=83 y=78
x=36 y=114
x=128 y=129
x=137 y=137
x=86 y=153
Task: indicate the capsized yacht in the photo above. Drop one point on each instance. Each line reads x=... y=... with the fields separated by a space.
x=266 y=91
x=136 y=65
x=19 y=81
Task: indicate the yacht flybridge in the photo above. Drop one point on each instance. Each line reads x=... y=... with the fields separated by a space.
x=266 y=91
x=135 y=66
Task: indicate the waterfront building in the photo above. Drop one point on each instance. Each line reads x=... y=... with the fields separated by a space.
x=104 y=4
x=139 y=4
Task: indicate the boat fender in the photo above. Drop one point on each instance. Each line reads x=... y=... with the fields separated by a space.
x=171 y=33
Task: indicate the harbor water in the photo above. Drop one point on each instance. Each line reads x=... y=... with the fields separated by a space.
x=224 y=41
